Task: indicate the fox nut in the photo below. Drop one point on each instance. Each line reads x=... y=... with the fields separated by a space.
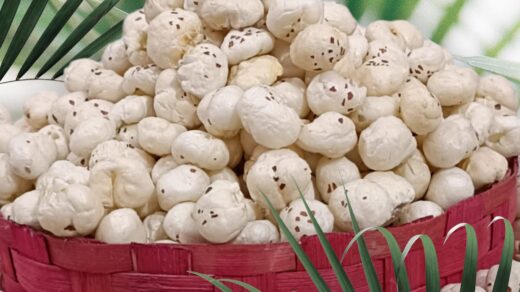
x=106 y=85
x=141 y=80
x=37 y=107
x=372 y=109
x=287 y=18
x=292 y=92
x=201 y=149
x=299 y=222
x=338 y=16
x=450 y=186
x=31 y=154
x=121 y=226
x=485 y=166
x=261 y=70
x=333 y=173
x=240 y=45
x=224 y=14
x=454 y=85
x=135 y=29
x=505 y=136
x=115 y=58
x=63 y=105
x=498 y=89
x=77 y=74
x=418 y=210
x=185 y=183
x=180 y=226
x=417 y=172
x=89 y=133
x=156 y=135
x=258 y=232
x=217 y=111
x=152 y=8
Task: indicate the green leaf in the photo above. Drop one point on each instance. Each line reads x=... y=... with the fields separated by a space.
x=356 y=7
x=397 y=9
x=213 y=281
x=50 y=33
x=306 y=262
x=109 y=36
x=430 y=257
x=130 y=5
x=504 y=40
x=469 y=276
x=507 y=69
x=368 y=267
x=343 y=280
x=400 y=273
x=244 y=285
x=7 y=14
x=25 y=28
x=84 y=27
x=504 y=269
x=450 y=18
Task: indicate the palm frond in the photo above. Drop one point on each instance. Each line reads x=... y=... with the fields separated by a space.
x=397 y=9
x=7 y=14
x=77 y=34
x=23 y=32
x=50 y=33
x=450 y=18
x=469 y=275
x=504 y=40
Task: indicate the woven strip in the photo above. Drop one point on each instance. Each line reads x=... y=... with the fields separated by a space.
x=33 y=261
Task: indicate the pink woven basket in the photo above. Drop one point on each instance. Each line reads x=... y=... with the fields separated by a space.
x=35 y=261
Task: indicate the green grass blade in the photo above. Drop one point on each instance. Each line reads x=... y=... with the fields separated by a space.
x=343 y=280
x=7 y=13
x=84 y=27
x=450 y=18
x=430 y=255
x=55 y=26
x=507 y=69
x=397 y=9
x=504 y=40
x=469 y=276
x=356 y=7
x=504 y=269
x=368 y=266
x=306 y=262
x=213 y=281
x=25 y=28
x=130 y=5
x=109 y=36
x=244 y=285
x=400 y=273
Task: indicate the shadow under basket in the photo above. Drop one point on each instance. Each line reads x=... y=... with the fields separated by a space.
x=35 y=261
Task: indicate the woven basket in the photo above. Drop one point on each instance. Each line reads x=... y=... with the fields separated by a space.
x=35 y=261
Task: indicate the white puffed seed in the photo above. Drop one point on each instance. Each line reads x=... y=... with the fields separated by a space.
x=90 y=133
x=156 y=135
x=450 y=143
x=180 y=226
x=7 y=132
x=485 y=166
x=141 y=80
x=331 y=134
x=12 y=185
x=261 y=70
x=129 y=134
x=57 y=134
x=171 y=35
x=135 y=29
x=298 y=220
x=417 y=172
x=400 y=191
x=282 y=52
x=399 y=32
x=240 y=45
x=201 y=149
x=420 y=110
x=224 y=14
x=221 y=213
x=318 y=47
x=269 y=121
x=426 y=60
x=382 y=76
x=280 y=175
x=203 y=69
x=498 y=89
x=185 y=183
x=113 y=149
x=338 y=16
x=153 y=224
x=77 y=74
x=418 y=210
x=152 y=8
x=329 y=91
x=36 y=109
x=132 y=109
x=505 y=136
x=372 y=109
x=115 y=58
x=84 y=111
x=292 y=92
x=63 y=105
x=121 y=226
x=217 y=111
x=106 y=85
x=236 y=153
x=25 y=209
x=450 y=186
x=174 y=104
x=370 y=203
x=386 y=143
x=287 y=18
x=333 y=173
x=31 y=154
x=5 y=116
x=223 y=174
x=358 y=49
x=162 y=166
x=454 y=85
x=258 y=232
x=481 y=118
x=61 y=174
x=70 y=210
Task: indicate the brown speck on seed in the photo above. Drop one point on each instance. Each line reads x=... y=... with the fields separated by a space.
x=27 y=169
x=289 y=211
x=498 y=106
x=329 y=189
x=365 y=197
x=214 y=216
x=343 y=102
x=332 y=40
x=55 y=118
x=193 y=170
x=208 y=190
x=340 y=120
x=104 y=112
x=304 y=214
x=274 y=168
x=282 y=186
x=312 y=57
x=74 y=114
x=331 y=59
x=206 y=53
x=82 y=162
x=333 y=89
x=276 y=178
x=218 y=65
x=297 y=229
x=231 y=44
x=71 y=102
x=350 y=95
x=162 y=191
x=204 y=222
x=420 y=67
x=297 y=218
x=178 y=26
x=182 y=157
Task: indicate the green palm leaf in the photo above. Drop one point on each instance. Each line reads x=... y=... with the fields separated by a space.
x=507 y=69
x=50 y=33
x=504 y=269
x=7 y=14
x=300 y=253
x=84 y=27
x=450 y=18
x=343 y=280
x=22 y=34
x=430 y=257
x=397 y=9
x=109 y=36
x=469 y=276
x=213 y=281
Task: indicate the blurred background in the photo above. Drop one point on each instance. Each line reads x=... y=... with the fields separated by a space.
x=465 y=27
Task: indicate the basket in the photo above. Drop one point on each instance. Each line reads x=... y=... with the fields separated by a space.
x=35 y=261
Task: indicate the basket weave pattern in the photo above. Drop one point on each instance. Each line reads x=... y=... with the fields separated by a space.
x=35 y=261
